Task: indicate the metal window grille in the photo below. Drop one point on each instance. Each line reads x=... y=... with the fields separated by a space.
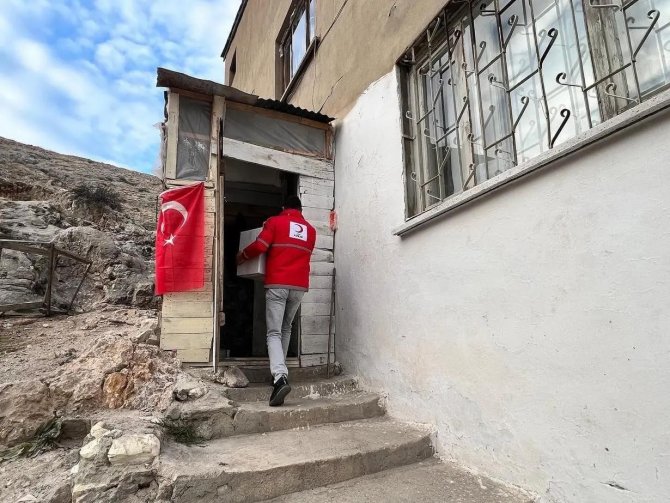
x=491 y=84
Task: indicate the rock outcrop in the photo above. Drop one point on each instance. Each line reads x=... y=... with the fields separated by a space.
x=104 y=213
x=117 y=371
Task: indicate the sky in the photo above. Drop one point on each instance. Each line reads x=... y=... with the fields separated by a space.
x=79 y=76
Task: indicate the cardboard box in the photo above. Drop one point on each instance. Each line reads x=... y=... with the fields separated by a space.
x=251 y=269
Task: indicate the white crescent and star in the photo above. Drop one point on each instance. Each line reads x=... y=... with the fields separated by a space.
x=176 y=206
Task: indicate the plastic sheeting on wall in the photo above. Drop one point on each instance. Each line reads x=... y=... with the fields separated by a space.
x=271 y=132
x=195 y=118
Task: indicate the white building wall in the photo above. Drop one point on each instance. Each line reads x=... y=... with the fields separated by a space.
x=531 y=327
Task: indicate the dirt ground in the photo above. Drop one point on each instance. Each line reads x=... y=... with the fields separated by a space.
x=33 y=346
x=102 y=365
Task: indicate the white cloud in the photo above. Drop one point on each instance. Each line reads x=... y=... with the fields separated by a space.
x=79 y=76
x=110 y=58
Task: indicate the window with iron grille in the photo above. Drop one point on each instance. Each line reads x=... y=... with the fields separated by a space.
x=493 y=84
x=296 y=40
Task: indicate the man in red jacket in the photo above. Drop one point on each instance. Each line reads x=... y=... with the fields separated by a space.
x=288 y=239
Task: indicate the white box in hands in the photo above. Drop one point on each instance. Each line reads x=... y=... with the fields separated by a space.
x=254 y=268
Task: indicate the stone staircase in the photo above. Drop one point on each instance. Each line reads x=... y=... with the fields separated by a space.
x=328 y=432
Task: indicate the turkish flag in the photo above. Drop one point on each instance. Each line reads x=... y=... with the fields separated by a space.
x=180 y=240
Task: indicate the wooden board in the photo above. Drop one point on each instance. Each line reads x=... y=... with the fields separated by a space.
x=316 y=344
x=322 y=228
x=316 y=186
x=317 y=325
x=209 y=206
x=324 y=242
x=316 y=215
x=321 y=202
x=315 y=360
x=171 y=342
x=172 y=136
x=319 y=255
x=217 y=112
x=315 y=309
x=179 y=309
x=317 y=295
x=186 y=325
x=188 y=297
x=177 y=182
x=321 y=282
x=194 y=355
x=284 y=161
x=321 y=268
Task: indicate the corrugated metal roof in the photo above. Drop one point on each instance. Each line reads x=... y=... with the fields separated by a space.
x=171 y=79
x=280 y=106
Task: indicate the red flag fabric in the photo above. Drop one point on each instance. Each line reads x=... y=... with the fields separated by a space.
x=180 y=240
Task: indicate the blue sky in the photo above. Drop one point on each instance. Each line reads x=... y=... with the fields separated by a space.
x=78 y=76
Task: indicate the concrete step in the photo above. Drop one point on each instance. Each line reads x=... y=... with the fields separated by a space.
x=429 y=481
x=213 y=416
x=257 y=417
x=249 y=468
x=261 y=374
x=299 y=389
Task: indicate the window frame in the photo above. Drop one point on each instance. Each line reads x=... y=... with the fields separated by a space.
x=426 y=52
x=287 y=76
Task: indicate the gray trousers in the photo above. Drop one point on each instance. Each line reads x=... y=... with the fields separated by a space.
x=281 y=304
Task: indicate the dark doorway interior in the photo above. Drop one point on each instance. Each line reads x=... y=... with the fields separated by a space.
x=252 y=195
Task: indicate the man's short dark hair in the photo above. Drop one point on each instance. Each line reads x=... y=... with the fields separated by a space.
x=293 y=202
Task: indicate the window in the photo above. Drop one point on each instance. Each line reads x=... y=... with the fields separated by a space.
x=193 y=139
x=493 y=84
x=232 y=69
x=296 y=40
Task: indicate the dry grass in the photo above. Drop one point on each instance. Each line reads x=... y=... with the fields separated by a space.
x=180 y=431
x=45 y=439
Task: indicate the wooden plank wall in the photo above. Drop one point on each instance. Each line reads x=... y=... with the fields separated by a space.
x=187 y=320
x=317 y=195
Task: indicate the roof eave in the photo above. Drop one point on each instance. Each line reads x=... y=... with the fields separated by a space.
x=176 y=80
x=233 y=30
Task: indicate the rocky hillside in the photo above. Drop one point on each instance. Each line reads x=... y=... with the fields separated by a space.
x=105 y=213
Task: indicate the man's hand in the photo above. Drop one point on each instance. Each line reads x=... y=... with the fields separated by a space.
x=241 y=259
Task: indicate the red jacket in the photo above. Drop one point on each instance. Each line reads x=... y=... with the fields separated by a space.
x=288 y=240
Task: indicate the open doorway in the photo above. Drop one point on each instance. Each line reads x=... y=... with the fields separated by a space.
x=252 y=194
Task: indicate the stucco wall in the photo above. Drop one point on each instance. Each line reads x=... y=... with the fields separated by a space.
x=358 y=47
x=531 y=327
x=254 y=43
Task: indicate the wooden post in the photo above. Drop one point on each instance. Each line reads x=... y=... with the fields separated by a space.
x=88 y=267
x=51 y=262
x=330 y=324
x=218 y=117
x=172 y=137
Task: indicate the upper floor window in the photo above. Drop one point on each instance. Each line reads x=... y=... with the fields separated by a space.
x=493 y=84
x=232 y=69
x=296 y=40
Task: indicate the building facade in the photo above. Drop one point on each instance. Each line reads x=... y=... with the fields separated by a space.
x=502 y=221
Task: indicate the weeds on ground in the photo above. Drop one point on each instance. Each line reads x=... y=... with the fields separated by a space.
x=180 y=431
x=97 y=197
x=44 y=440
